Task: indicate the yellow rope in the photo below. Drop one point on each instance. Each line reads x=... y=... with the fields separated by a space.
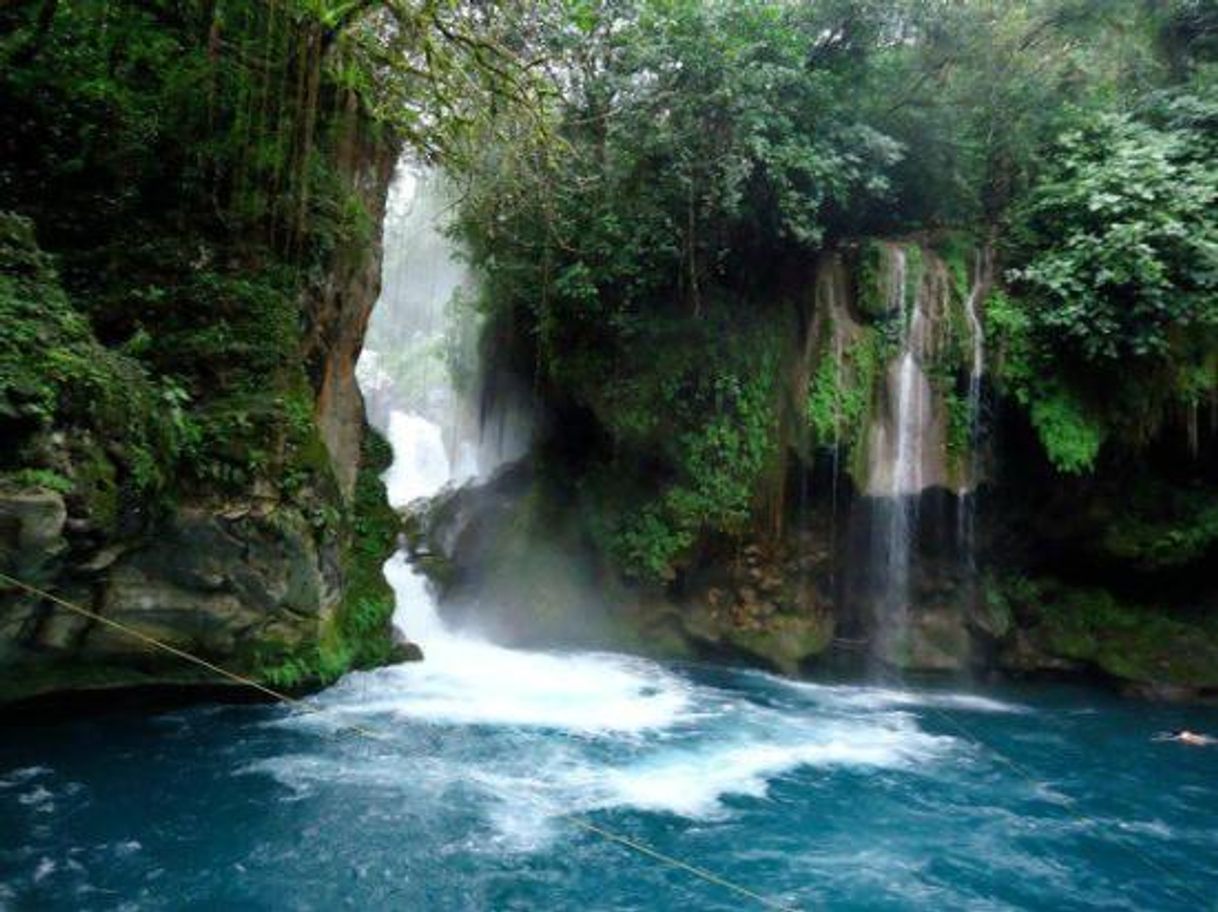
x=709 y=876
x=640 y=848
x=625 y=841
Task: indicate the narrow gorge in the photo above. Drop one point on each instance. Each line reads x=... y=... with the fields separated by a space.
x=610 y=454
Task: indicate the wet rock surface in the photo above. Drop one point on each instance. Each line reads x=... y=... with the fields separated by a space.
x=222 y=583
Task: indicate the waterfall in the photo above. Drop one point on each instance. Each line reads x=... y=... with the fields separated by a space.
x=419 y=338
x=966 y=493
x=908 y=441
x=897 y=461
x=422 y=334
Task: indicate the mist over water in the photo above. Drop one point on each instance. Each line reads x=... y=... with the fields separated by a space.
x=819 y=795
x=422 y=337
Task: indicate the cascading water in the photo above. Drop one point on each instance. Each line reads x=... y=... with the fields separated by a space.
x=897 y=463
x=418 y=338
x=966 y=492
x=817 y=796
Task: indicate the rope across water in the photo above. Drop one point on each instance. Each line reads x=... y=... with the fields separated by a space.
x=703 y=874
x=579 y=823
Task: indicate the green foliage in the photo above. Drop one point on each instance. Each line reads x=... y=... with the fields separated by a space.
x=364 y=617
x=1128 y=641
x=1115 y=319
x=840 y=396
x=955 y=249
x=1163 y=528
x=915 y=269
x=194 y=172
x=38 y=478
x=1124 y=237
x=959 y=424
x=1069 y=429
x=870 y=291
x=708 y=423
x=357 y=635
x=1070 y=436
x=54 y=373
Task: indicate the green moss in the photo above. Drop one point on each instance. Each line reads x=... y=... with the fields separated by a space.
x=1126 y=640
x=959 y=424
x=37 y=478
x=915 y=272
x=695 y=424
x=955 y=248
x=364 y=619
x=358 y=634
x=870 y=292
x=1129 y=641
x=95 y=482
x=840 y=398
x=54 y=372
x=786 y=641
x=1070 y=431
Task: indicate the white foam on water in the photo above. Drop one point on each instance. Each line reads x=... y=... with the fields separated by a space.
x=24 y=774
x=468 y=682
x=582 y=694
x=46 y=867
x=692 y=781
x=39 y=798
x=551 y=735
x=880 y=698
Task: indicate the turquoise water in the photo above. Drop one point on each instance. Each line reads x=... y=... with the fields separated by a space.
x=832 y=797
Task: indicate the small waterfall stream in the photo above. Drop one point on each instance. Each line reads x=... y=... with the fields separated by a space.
x=966 y=492
x=898 y=443
x=908 y=451
x=418 y=338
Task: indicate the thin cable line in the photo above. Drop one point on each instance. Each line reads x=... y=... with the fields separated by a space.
x=625 y=841
x=703 y=873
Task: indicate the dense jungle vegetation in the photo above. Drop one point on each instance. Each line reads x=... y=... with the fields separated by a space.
x=189 y=164
x=645 y=188
x=645 y=251
x=190 y=196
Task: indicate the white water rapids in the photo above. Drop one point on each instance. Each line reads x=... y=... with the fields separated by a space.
x=551 y=733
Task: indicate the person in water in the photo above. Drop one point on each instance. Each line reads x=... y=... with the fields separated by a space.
x=1196 y=739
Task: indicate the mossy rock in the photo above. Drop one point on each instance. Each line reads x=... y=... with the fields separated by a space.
x=784 y=641
x=1131 y=642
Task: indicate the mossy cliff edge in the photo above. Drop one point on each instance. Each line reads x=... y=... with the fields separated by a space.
x=188 y=259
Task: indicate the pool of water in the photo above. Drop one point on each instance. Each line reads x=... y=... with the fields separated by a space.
x=816 y=796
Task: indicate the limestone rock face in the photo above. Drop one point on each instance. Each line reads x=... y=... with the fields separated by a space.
x=339 y=310
x=223 y=587
x=939 y=640
x=31 y=530
x=214 y=584
x=244 y=580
